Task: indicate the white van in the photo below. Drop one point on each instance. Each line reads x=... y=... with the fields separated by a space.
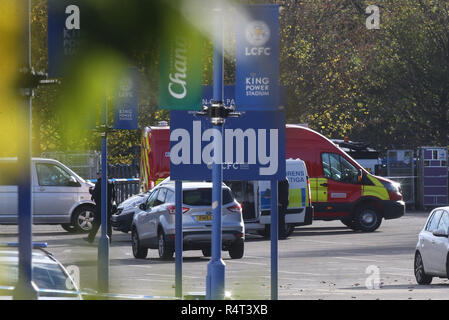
x=59 y=195
x=254 y=196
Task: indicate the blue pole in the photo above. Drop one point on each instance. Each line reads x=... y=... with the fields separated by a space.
x=25 y=288
x=103 y=243
x=178 y=238
x=215 y=281
x=274 y=240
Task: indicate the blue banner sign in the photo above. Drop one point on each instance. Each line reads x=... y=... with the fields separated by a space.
x=257 y=59
x=253 y=146
x=64 y=34
x=126 y=101
x=228 y=95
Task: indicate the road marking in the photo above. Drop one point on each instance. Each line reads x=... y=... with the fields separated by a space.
x=402 y=269
x=397 y=274
x=252 y=263
x=327 y=242
x=153 y=280
x=256 y=257
x=357 y=259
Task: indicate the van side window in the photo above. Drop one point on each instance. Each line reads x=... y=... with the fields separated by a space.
x=337 y=168
x=53 y=176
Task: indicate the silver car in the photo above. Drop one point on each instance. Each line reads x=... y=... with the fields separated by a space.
x=154 y=226
x=432 y=250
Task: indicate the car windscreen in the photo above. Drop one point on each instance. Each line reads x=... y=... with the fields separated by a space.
x=46 y=276
x=203 y=197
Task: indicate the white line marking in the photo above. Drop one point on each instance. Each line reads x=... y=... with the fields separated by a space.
x=363 y=260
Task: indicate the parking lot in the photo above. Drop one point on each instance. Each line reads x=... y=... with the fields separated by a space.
x=322 y=261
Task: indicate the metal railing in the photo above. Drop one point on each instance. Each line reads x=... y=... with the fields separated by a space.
x=124 y=188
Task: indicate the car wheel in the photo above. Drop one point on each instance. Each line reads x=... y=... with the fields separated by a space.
x=165 y=252
x=68 y=227
x=139 y=252
x=237 y=249
x=367 y=219
x=420 y=275
x=83 y=218
x=207 y=252
x=349 y=223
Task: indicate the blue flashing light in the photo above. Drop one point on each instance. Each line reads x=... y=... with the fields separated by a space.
x=36 y=245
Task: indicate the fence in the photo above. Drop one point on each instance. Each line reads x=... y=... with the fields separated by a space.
x=400 y=168
x=123 y=171
x=432 y=177
x=125 y=188
x=85 y=164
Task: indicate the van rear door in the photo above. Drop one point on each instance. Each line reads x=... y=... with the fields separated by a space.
x=298 y=194
x=245 y=192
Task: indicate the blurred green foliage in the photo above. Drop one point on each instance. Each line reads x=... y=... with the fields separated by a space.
x=388 y=87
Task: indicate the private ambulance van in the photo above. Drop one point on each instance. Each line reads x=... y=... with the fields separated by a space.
x=341 y=188
x=255 y=198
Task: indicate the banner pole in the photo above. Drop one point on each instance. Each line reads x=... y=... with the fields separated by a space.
x=25 y=288
x=103 y=244
x=274 y=240
x=178 y=238
x=215 y=281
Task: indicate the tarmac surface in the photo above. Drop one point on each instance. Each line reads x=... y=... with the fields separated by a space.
x=323 y=261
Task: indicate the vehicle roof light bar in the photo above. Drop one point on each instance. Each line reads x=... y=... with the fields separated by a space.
x=36 y=245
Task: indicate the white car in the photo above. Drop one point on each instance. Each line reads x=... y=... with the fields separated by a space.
x=432 y=250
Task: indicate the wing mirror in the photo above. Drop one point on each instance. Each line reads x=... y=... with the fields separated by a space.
x=440 y=233
x=143 y=206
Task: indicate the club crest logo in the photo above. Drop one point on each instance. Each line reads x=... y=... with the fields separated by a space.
x=257 y=33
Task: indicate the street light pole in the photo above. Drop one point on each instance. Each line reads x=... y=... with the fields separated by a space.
x=178 y=238
x=274 y=239
x=25 y=288
x=103 y=244
x=216 y=267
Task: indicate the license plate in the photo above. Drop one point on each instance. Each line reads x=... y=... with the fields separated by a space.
x=206 y=217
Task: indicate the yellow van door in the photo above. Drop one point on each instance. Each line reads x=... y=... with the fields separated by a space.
x=318 y=188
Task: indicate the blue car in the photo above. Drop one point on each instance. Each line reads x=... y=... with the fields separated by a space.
x=49 y=275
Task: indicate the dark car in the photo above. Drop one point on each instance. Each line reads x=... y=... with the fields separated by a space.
x=123 y=218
